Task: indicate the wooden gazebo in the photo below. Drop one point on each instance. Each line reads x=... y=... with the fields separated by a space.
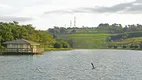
x=22 y=46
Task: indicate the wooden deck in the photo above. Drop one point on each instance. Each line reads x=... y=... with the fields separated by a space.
x=22 y=51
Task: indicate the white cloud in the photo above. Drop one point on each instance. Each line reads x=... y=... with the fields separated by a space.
x=5 y=6
x=14 y=18
x=33 y=11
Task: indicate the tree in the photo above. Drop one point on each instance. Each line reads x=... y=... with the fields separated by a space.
x=6 y=33
x=115 y=47
x=131 y=46
x=124 y=46
x=65 y=44
x=58 y=45
x=15 y=22
x=63 y=30
x=61 y=44
x=73 y=31
x=12 y=30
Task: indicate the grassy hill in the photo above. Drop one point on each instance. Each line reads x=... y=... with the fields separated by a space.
x=87 y=31
x=129 y=40
x=98 y=41
x=86 y=41
x=121 y=36
x=99 y=37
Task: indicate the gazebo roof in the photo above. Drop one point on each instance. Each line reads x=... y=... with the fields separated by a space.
x=21 y=41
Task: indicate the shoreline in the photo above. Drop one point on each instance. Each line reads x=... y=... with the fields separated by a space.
x=61 y=49
x=57 y=49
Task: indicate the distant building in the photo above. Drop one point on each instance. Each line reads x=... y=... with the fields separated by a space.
x=22 y=46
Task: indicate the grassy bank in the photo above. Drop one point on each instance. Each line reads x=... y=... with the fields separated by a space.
x=57 y=49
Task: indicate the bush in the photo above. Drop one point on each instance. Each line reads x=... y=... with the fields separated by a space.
x=109 y=46
x=115 y=47
x=136 y=47
x=131 y=46
x=2 y=47
x=58 y=45
x=66 y=45
x=124 y=47
x=61 y=44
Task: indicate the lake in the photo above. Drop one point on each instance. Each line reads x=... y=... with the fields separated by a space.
x=73 y=65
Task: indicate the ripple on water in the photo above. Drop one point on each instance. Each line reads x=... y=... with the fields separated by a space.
x=74 y=65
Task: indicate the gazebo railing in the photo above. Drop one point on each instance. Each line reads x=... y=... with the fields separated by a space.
x=22 y=50
x=18 y=50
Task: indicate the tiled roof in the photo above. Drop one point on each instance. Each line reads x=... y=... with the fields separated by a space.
x=21 y=41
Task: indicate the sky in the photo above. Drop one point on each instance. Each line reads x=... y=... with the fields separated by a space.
x=44 y=14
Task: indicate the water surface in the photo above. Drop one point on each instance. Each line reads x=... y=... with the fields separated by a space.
x=73 y=65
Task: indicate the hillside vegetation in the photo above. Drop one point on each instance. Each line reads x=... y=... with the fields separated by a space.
x=102 y=36
x=87 y=41
x=13 y=30
x=125 y=35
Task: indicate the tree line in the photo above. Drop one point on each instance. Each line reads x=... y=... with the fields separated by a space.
x=117 y=33
x=101 y=28
x=13 y=30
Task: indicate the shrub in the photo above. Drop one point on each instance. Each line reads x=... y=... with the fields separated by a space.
x=124 y=47
x=115 y=47
x=61 y=44
x=109 y=46
x=66 y=45
x=136 y=47
x=131 y=46
x=58 y=45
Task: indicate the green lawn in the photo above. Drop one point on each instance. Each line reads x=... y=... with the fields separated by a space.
x=87 y=41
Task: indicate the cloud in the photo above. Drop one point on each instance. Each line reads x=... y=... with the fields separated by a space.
x=131 y=7
x=14 y=18
x=68 y=11
x=5 y=6
x=138 y=1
